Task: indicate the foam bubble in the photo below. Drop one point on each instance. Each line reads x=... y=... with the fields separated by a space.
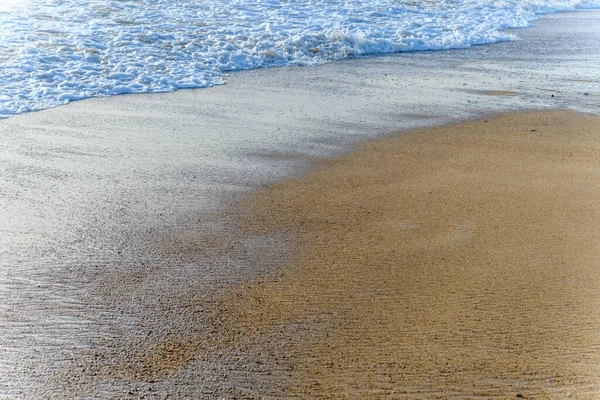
x=56 y=51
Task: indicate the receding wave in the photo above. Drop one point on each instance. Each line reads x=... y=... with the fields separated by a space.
x=56 y=51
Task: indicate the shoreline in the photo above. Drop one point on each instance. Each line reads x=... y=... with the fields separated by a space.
x=104 y=261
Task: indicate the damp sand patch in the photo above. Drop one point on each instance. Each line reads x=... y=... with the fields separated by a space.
x=454 y=261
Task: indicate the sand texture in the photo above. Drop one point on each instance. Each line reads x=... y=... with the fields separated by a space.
x=454 y=262
x=119 y=244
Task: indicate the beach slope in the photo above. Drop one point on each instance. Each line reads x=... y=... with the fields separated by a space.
x=454 y=261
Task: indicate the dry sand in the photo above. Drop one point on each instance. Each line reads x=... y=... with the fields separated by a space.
x=460 y=261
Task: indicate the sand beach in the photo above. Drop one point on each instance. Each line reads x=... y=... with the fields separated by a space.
x=454 y=262
x=420 y=225
x=451 y=262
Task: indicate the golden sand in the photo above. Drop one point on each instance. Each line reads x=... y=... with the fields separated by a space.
x=461 y=261
x=499 y=93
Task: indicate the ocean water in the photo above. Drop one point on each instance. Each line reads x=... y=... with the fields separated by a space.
x=56 y=51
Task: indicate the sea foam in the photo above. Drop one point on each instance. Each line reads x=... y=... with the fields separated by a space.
x=56 y=51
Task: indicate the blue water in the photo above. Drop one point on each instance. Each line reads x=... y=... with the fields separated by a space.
x=56 y=51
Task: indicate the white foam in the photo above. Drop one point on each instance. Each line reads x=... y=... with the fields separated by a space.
x=56 y=51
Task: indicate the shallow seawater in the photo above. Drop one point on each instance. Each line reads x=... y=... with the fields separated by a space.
x=56 y=51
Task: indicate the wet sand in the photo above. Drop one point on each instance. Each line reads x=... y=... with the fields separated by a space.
x=453 y=262
x=124 y=249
